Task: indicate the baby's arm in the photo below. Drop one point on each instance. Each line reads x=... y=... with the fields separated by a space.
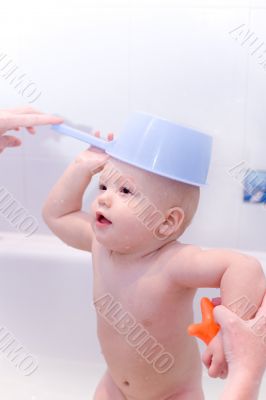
x=240 y=277
x=62 y=209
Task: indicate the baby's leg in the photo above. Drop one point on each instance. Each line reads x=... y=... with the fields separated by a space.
x=107 y=389
x=190 y=394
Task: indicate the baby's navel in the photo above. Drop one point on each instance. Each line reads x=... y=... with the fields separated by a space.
x=146 y=322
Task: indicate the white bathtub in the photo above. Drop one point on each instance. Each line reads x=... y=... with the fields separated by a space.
x=45 y=306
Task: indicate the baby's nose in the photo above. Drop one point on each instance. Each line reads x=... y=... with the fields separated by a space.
x=105 y=199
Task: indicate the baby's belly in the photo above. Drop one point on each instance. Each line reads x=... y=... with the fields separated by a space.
x=148 y=362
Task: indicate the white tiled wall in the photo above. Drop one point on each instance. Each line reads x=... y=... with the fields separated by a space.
x=95 y=62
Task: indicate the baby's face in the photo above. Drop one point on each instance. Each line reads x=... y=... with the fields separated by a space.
x=122 y=190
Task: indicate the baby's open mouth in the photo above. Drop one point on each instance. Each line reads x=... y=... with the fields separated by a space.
x=102 y=219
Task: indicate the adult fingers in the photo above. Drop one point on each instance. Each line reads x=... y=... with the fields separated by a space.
x=9 y=141
x=30 y=120
x=22 y=110
x=31 y=129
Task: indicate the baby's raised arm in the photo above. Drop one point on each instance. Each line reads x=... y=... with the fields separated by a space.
x=62 y=210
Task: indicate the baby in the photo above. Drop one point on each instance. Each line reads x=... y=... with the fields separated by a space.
x=144 y=278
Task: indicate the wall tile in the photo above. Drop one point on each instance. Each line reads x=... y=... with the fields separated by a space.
x=12 y=180
x=217 y=219
x=255 y=141
x=196 y=79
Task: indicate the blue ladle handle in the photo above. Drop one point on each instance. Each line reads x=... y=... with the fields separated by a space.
x=83 y=136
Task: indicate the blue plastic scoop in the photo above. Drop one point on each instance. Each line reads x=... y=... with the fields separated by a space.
x=156 y=145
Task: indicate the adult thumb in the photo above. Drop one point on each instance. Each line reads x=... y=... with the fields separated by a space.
x=224 y=317
x=262 y=309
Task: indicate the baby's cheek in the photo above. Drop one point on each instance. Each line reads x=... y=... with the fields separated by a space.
x=135 y=225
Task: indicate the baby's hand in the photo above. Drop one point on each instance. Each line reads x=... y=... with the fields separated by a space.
x=94 y=158
x=214 y=358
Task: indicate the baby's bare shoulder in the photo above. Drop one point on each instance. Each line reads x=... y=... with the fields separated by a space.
x=177 y=260
x=180 y=251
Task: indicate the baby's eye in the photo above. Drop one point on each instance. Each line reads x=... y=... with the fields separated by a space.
x=125 y=190
x=102 y=186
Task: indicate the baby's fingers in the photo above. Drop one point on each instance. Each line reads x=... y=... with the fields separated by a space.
x=215 y=363
x=98 y=135
x=224 y=372
x=216 y=301
x=110 y=136
x=218 y=367
x=207 y=358
x=94 y=148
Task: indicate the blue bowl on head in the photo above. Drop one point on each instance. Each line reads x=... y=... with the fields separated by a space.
x=156 y=145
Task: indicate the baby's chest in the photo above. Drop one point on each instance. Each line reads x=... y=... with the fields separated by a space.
x=145 y=296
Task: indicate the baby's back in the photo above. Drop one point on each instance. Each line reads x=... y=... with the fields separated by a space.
x=142 y=322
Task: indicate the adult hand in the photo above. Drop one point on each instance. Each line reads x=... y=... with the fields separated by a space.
x=16 y=118
x=245 y=351
x=244 y=341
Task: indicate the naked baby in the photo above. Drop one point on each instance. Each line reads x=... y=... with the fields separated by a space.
x=145 y=279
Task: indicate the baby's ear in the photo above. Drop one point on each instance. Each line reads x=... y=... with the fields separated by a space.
x=173 y=221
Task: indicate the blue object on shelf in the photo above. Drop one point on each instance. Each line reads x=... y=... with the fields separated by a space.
x=255 y=187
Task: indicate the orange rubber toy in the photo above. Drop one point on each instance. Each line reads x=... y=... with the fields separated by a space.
x=208 y=328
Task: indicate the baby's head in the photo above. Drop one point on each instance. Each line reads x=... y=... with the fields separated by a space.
x=177 y=202
x=144 y=208
x=181 y=203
